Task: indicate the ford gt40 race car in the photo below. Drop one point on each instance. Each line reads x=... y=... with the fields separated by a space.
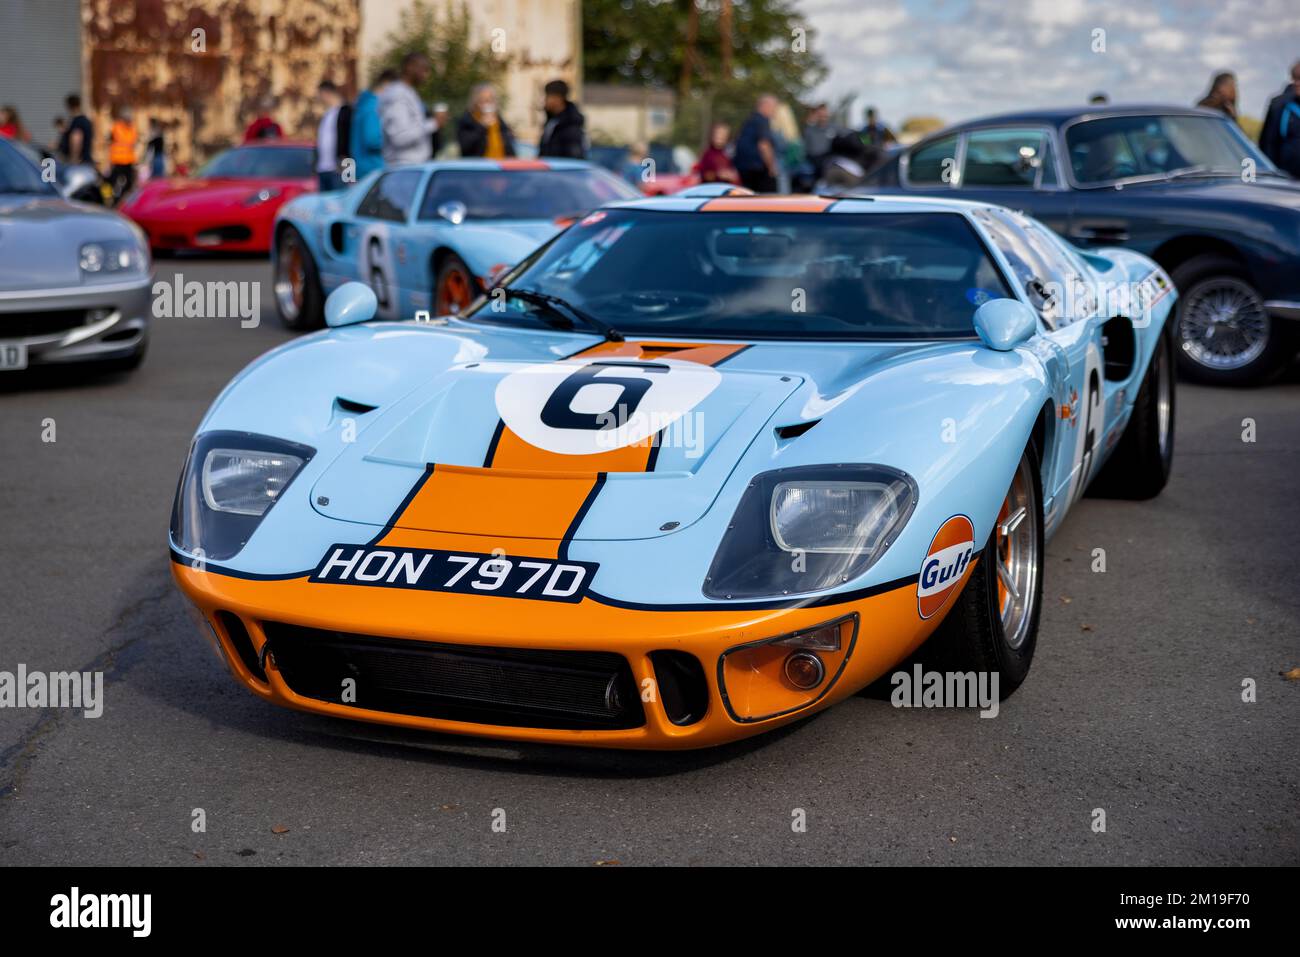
x=699 y=467
x=427 y=237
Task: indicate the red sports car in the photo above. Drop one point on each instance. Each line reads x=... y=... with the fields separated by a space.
x=230 y=204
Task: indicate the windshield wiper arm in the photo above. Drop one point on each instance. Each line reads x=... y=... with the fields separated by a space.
x=565 y=309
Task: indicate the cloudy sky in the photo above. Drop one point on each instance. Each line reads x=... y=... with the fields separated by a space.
x=962 y=58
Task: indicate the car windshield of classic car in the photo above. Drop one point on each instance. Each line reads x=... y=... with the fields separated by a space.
x=260 y=162
x=761 y=275
x=523 y=194
x=1141 y=147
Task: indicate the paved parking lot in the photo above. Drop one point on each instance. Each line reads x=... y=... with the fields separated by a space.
x=1134 y=705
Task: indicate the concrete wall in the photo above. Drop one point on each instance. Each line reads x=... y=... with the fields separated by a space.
x=40 y=60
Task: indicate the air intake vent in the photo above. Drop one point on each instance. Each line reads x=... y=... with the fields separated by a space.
x=796 y=430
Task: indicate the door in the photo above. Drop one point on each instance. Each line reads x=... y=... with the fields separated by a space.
x=380 y=241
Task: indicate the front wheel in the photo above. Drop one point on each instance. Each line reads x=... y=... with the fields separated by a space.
x=993 y=626
x=1224 y=334
x=453 y=288
x=298 y=295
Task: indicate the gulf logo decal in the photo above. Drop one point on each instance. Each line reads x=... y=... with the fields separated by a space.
x=945 y=562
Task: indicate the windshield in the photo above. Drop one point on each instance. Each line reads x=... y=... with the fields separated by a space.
x=1119 y=147
x=763 y=275
x=18 y=174
x=260 y=162
x=523 y=194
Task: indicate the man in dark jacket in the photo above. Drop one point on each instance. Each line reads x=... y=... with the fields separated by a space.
x=1279 y=138
x=563 y=134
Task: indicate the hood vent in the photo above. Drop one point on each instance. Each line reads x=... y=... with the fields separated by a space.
x=794 y=431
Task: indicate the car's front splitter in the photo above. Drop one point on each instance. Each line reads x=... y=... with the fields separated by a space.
x=746 y=692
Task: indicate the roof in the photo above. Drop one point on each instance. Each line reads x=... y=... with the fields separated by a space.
x=1060 y=115
x=477 y=163
x=888 y=203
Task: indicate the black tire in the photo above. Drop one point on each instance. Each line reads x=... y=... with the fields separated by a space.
x=972 y=637
x=1196 y=280
x=309 y=312
x=1140 y=465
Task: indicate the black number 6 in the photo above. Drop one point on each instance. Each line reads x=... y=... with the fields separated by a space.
x=558 y=412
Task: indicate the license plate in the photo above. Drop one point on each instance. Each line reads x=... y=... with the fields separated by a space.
x=13 y=356
x=468 y=573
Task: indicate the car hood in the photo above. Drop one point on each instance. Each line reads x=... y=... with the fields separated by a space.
x=40 y=237
x=380 y=402
x=486 y=244
x=458 y=417
x=178 y=194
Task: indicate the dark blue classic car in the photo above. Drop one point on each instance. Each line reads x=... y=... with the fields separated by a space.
x=1184 y=186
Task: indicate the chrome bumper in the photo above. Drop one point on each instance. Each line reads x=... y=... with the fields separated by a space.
x=117 y=334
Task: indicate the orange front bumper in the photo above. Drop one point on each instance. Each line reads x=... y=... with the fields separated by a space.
x=888 y=630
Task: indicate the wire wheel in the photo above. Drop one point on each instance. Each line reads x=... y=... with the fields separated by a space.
x=1223 y=324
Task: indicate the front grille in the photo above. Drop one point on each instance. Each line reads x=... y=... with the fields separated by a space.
x=51 y=322
x=574 y=690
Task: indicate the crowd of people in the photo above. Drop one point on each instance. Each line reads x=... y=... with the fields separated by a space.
x=389 y=124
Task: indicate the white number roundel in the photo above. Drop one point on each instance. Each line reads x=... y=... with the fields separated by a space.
x=588 y=406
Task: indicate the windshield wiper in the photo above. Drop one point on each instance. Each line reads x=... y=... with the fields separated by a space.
x=565 y=310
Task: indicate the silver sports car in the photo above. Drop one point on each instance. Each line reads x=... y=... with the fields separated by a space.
x=74 y=278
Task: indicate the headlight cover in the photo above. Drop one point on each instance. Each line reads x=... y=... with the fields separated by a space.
x=810 y=528
x=112 y=258
x=230 y=481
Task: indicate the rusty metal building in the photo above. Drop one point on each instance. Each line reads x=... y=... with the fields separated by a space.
x=202 y=66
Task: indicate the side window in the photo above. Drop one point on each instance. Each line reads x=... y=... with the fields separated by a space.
x=933 y=164
x=391 y=196
x=1004 y=158
x=1047 y=276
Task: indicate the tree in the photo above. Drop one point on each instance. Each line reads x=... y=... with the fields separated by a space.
x=718 y=54
x=459 y=63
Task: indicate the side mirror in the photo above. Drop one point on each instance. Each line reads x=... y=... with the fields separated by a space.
x=453 y=211
x=349 y=304
x=1005 y=323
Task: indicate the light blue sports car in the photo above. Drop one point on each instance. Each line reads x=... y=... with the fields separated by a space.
x=427 y=237
x=698 y=467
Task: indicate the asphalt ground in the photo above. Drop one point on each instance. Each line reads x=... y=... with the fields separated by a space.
x=1134 y=705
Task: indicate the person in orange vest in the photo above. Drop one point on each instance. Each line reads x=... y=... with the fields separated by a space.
x=123 y=140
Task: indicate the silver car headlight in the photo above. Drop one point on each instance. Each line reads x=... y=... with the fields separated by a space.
x=810 y=528
x=112 y=258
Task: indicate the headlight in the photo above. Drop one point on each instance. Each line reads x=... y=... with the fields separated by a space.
x=810 y=528
x=230 y=482
x=111 y=257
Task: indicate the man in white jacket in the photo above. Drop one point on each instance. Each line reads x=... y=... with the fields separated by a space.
x=408 y=130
